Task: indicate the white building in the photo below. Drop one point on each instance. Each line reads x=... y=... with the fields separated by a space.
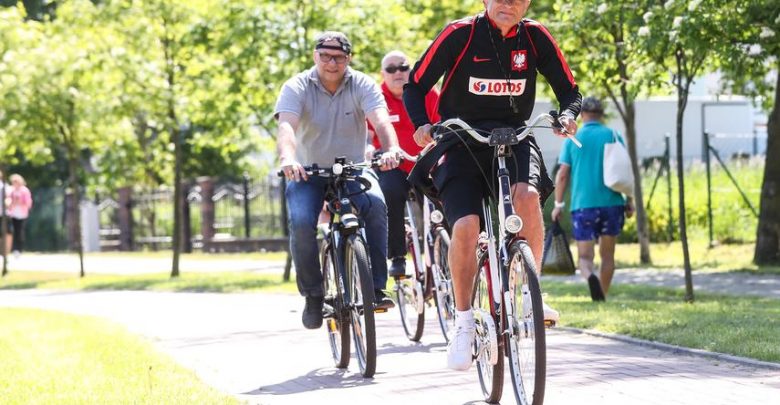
x=736 y=127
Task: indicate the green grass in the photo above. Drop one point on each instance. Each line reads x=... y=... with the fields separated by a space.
x=731 y=257
x=50 y=357
x=738 y=325
x=223 y=282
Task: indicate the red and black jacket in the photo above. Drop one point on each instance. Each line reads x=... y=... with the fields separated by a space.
x=475 y=87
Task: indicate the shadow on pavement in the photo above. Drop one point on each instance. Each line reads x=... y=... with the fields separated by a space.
x=390 y=348
x=316 y=379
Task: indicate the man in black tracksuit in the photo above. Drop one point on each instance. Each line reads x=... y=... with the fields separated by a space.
x=489 y=63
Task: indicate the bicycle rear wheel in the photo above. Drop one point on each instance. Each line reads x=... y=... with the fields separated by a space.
x=409 y=293
x=336 y=316
x=361 y=294
x=445 y=302
x=526 y=343
x=488 y=347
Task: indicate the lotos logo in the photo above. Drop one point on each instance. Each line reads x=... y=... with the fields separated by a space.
x=496 y=87
x=479 y=87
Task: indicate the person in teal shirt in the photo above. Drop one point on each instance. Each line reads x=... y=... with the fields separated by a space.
x=597 y=212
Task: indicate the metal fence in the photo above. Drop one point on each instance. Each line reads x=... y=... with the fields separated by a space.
x=251 y=209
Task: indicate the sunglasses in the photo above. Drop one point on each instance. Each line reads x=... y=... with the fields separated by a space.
x=392 y=68
x=327 y=58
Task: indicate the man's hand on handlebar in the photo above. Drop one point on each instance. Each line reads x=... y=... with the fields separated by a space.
x=389 y=160
x=423 y=135
x=568 y=124
x=293 y=170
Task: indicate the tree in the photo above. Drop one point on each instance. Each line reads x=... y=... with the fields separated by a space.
x=603 y=38
x=11 y=43
x=62 y=103
x=753 y=29
x=677 y=36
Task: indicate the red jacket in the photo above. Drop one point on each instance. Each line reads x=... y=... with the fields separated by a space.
x=404 y=128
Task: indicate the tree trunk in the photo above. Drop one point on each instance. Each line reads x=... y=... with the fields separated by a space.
x=642 y=229
x=682 y=102
x=175 y=131
x=629 y=119
x=177 y=205
x=768 y=230
x=74 y=185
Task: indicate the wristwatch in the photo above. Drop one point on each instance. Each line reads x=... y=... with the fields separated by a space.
x=560 y=204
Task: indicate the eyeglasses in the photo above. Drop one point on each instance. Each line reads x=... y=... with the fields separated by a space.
x=327 y=58
x=400 y=68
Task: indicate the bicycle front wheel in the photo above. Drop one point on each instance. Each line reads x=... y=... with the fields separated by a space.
x=409 y=293
x=361 y=294
x=336 y=314
x=442 y=280
x=526 y=341
x=487 y=345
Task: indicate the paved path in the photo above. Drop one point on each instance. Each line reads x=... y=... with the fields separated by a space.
x=252 y=346
x=738 y=283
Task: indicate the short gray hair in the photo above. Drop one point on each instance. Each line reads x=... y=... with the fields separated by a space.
x=391 y=54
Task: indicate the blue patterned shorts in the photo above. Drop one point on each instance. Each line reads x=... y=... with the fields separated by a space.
x=590 y=223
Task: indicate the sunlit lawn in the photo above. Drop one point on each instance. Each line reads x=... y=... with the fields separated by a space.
x=736 y=257
x=57 y=358
x=739 y=325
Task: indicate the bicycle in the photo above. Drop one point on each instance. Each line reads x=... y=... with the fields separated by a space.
x=507 y=298
x=431 y=278
x=347 y=280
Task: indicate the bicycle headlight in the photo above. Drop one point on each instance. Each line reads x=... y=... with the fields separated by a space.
x=513 y=224
x=338 y=168
x=350 y=221
x=437 y=217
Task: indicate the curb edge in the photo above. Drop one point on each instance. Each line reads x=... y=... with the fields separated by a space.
x=675 y=349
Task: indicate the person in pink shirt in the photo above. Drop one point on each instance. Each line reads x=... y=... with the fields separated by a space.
x=395 y=74
x=4 y=190
x=18 y=209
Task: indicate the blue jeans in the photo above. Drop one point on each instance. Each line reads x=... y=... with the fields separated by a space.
x=304 y=203
x=396 y=190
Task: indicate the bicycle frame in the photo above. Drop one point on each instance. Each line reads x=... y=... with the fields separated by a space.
x=343 y=223
x=496 y=277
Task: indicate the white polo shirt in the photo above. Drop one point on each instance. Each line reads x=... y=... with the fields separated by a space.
x=330 y=126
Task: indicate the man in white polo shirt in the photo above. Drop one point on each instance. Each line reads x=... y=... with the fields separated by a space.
x=322 y=114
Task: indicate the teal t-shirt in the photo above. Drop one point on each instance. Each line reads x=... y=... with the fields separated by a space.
x=587 y=167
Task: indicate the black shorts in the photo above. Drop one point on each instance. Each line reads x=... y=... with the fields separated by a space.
x=462 y=177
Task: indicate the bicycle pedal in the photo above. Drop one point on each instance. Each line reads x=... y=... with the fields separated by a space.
x=549 y=324
x=380 y=310
x=404 y=277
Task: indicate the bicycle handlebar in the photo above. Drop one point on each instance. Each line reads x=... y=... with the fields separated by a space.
x=550 y=118
x=339 y=168
x=407 y=156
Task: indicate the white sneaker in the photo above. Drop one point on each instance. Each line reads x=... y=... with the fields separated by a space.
x=550 y=315
x=459 y=350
